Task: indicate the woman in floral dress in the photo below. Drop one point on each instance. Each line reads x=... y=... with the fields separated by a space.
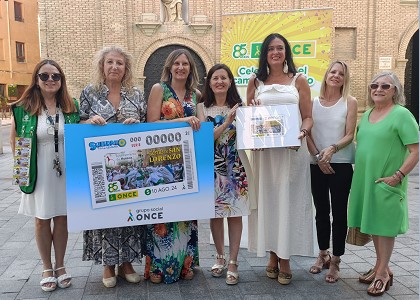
x=172 y=248
x=221 y=99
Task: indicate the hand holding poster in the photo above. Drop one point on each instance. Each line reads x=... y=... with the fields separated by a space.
x=267 y=126
x=124 y=175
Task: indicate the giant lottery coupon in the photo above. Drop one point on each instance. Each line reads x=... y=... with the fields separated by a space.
x=267 y=126
x=140 y=166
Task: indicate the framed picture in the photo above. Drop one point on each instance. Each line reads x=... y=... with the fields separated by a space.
x=270 y=126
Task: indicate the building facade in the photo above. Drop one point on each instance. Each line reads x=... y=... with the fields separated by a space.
x=370 y=35
x=19 y=46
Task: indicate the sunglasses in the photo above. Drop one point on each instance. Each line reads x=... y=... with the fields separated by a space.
x=46 y=76
x=384 y=86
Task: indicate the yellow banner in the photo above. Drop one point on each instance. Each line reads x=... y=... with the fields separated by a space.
x=308 y=32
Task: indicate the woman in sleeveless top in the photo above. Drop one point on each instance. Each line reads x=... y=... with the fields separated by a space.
x=221 y=99
x=172 y=248
x=282 y=223
x=334 y=113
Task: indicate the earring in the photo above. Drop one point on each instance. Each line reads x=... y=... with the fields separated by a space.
x=285 y=67
x=268 y=70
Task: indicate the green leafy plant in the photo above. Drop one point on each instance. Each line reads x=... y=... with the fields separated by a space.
x=12 y=90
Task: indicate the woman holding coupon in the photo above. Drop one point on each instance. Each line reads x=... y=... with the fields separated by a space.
x=221 y=99
x=283 y=222
x=40 y=115
x=112 y=98
x=172 y=248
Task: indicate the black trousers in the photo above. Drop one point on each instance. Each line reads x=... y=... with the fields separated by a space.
x=338 y=186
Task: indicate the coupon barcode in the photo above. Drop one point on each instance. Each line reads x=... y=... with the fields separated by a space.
x=188 y=166
x=98 y=182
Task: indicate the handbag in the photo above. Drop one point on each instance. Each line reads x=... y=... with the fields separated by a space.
x=357 y=238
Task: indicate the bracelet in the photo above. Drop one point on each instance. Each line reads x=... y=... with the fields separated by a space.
x=399 y=177
x=399 y=171
x=335 y=146
x=305 y=132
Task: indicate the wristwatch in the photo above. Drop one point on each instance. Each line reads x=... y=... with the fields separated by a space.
x=317 y=157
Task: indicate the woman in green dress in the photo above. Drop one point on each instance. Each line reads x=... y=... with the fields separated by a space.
x=378 y=202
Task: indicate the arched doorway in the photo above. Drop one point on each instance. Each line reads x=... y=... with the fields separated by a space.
x=154 y=66
x=411 y=86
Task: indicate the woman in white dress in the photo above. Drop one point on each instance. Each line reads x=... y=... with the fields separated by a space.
x=282 y=223
x=221 y=99
x=40 y=115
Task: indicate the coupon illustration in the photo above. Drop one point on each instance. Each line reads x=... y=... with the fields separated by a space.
x=141 y=166
x=21 y=161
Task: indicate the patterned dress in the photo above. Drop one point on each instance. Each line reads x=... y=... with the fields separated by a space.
x=230 y=181
x=172 y=248
x=113 y=246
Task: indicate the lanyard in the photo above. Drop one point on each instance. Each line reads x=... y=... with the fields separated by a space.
x=56 y=160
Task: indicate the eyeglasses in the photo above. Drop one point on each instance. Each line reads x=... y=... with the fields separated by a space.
x=46 y=76
x=384 y=86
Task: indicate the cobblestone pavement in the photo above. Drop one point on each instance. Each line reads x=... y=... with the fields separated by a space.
x=20 y=265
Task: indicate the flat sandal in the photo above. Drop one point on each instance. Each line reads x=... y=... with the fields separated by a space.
x=217 y=269
x=232 y=277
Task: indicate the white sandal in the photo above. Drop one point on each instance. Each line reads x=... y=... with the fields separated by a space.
x=50 y=279
x=217 y=269
x=62 y=278
x=232 y=278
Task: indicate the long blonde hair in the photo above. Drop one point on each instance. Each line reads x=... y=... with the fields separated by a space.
x=345 y=88
x=98 y=67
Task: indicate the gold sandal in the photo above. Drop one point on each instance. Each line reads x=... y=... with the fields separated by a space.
x=369 y=276
x=284 y=278
x=232 y=277
x=322 y=261
x=332 y=276
x=217 y=269
x=379 y=286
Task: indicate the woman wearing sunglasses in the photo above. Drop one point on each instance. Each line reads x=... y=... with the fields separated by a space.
x=331 y=144
x=112 y=98
x=39 y=116
x=387 y=150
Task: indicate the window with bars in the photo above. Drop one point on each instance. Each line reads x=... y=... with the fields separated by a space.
x=20 y=52
x=18 y=11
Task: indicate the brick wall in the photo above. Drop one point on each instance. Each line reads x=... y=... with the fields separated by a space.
x=366 y=30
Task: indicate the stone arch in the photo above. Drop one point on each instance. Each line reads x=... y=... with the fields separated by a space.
x=406 y=37
x=154 y=66
x=176 y=40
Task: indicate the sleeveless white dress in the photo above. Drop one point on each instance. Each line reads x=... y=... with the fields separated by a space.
x=283 y=220
x=49 y=197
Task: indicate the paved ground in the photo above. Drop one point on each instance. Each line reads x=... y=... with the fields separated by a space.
x=20 y=266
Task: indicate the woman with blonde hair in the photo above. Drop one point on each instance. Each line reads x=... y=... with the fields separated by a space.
x=331 y=143
x=112 y=98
